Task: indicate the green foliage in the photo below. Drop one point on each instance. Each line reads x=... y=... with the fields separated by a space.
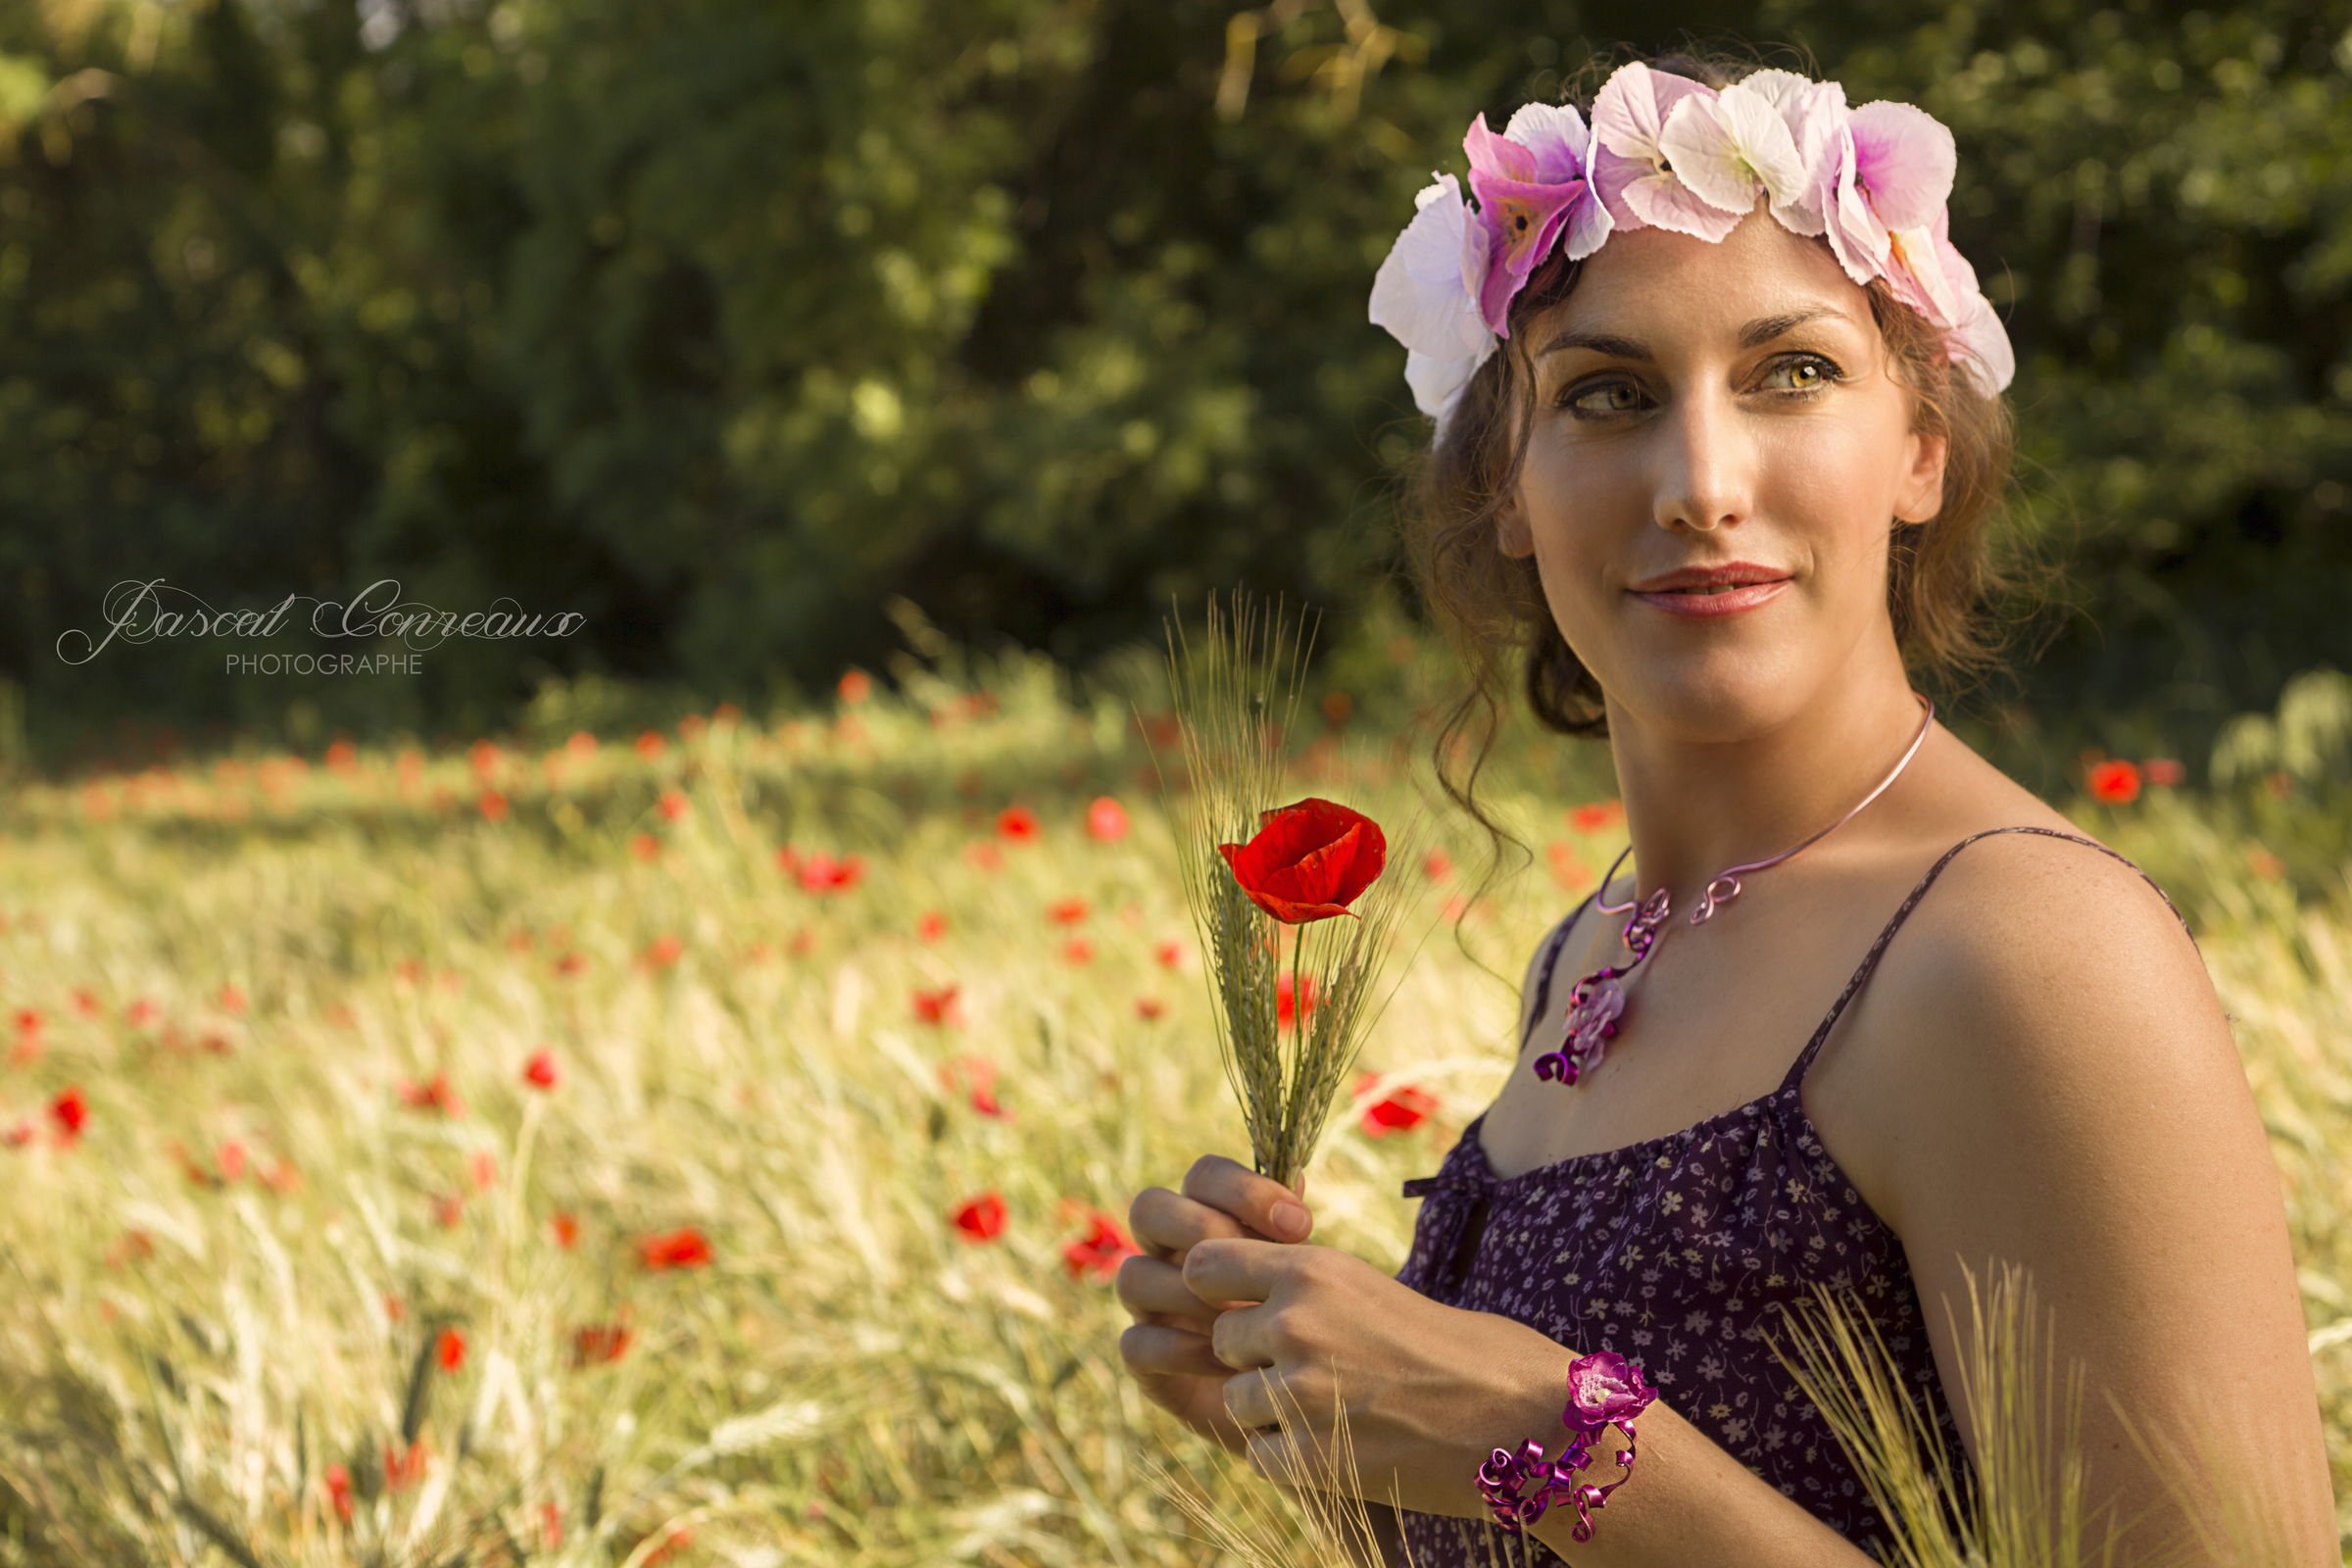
x=720 y=322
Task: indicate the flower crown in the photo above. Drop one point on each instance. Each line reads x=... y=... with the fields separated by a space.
x=1667 y=152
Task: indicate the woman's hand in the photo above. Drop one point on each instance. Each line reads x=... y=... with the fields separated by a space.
x=1167 y=1347
x=1429 y=1390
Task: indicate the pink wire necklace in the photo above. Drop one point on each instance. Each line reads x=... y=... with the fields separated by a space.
x=1596 y=1005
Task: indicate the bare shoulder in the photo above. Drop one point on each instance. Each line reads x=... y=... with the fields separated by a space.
x=2049 y=971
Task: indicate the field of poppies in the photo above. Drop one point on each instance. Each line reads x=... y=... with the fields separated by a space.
x=712 y=1141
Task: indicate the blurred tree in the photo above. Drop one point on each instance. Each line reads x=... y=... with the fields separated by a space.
x=718 y=321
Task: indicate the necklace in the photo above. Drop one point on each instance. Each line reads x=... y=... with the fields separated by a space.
x=1596 y=1003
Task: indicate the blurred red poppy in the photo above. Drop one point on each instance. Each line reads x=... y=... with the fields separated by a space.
x=937 y=1007
x=1106 y=819
x=1100 y=1248
x=2115 y=782
x=1401 y=1110
x=982 y=1218
x=679 y=1248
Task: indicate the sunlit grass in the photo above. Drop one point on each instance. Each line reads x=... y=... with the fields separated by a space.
x=297 y=1000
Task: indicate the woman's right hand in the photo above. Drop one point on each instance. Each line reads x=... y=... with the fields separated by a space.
x=1167 y=1347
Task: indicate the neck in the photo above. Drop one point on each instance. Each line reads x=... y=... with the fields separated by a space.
x=1705 y=793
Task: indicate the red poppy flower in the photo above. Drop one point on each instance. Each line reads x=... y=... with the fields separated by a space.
x=402 y=1467
x=1593 y=819
x=1078 y=951
x=1067 y=911
x=540 y=1071
x=855 y=685
x=645 y=847
x=1016 y=823
x=1283 y=996
x=494 y=805
x=931 y=926
x=1106 y=819
x=679 y=1248
x=651 y=745
x=821 y=872
x=1171 y=955
x=436 y=1095
x=1150 y=1007
x=665 y=951
x=982 y=1218
x=1100 y=1248
x=338 y=1491
x=2117 y=782
x=673 y=806
x=1399 y=1111
x=937 y=1007
x=69 y=1112
x=1437 y=866
x=1309 y=861
x=566 y=1229
x=451 y=1349
x=598 y=1343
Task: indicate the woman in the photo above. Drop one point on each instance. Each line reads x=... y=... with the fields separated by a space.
x=1734 y=342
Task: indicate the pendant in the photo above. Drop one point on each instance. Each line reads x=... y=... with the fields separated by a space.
x=1596 y=1005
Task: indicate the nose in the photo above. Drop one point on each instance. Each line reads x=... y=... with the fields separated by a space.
x=1706 y=465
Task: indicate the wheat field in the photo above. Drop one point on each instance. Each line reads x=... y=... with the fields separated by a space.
x=710 y=1141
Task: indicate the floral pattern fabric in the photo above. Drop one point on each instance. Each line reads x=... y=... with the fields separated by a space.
x=1680 y=1253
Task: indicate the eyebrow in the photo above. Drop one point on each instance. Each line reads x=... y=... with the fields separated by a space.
x=1763 y=330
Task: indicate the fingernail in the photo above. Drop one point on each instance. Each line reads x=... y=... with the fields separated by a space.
x=1289 y=1218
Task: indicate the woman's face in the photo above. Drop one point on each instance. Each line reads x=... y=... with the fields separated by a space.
x=1704 y=428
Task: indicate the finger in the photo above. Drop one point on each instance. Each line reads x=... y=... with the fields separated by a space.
x=1166 y=1225
x=1240 y=1268
x=1153 y=1291
x=1243 y=1337
x=1260 y=1202
x=1249 y=1399
x=1150 y=1347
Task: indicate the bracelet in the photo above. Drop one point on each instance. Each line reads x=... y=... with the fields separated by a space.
x=1603 y=1388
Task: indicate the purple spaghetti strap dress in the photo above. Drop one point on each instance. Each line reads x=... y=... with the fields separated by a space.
x=1675 y=1253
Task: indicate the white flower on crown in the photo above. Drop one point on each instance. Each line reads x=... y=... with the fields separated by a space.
x=1667 y=152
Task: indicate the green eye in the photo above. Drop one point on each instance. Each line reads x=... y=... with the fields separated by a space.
x=1576 y=399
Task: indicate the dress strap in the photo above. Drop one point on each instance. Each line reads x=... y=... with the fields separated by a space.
x=1546 y=964
x=1870 y=960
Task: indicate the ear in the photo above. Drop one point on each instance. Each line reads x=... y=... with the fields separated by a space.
x=1921 y=498
x=1512 y=536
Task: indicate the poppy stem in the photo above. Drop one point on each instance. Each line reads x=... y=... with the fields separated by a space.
x=1298 y=1011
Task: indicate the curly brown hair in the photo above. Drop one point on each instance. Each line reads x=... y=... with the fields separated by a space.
x=1944 y=583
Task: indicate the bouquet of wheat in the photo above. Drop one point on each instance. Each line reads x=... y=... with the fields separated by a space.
x=1258 y=862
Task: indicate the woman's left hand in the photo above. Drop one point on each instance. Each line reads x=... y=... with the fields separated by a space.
x=1429 y=1390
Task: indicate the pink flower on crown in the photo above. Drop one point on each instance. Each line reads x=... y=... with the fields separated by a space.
x=1772 y=134
x=1637 y=184
x=1928 y=272
x=1895 y=170
x=1531 y=182
x=1427 y=293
